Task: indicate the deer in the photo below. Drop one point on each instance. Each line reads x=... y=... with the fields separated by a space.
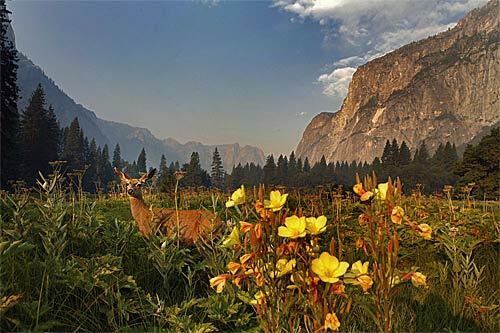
x=191 y=225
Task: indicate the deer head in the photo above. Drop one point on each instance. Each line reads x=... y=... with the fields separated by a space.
x=133 y=185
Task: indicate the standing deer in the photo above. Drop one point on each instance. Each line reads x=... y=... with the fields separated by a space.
x=193 y=224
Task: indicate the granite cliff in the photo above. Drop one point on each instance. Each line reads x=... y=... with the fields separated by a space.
x=443 y=88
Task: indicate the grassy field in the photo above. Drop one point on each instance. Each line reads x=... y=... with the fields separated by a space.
x=80 y=264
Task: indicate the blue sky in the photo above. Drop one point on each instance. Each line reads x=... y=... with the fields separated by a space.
x=249 y=72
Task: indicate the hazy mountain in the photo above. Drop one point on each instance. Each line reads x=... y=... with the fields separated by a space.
x=130 y=138
x=443 y=88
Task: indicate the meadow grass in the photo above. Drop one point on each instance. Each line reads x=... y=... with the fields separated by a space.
x=80 y=264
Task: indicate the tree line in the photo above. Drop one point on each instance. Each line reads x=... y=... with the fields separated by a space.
x=478 y=167
x=433 y=172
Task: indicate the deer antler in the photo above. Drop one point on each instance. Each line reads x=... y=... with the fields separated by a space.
x=121 y=174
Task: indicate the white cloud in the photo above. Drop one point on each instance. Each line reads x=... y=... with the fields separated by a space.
x=373 y=27
x=302 y=114
x=336 y=83
x=210 y=3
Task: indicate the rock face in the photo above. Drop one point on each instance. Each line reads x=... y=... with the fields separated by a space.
x=443 y=88
x=131 y=139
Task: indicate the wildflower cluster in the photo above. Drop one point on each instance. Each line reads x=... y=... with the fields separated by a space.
x=283 y=270
x=279 y=268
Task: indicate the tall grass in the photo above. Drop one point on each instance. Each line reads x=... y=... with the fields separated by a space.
x=70 y=262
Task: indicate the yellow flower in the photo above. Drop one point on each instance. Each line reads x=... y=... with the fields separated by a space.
x=418 y=279
x=245 y=258
x=360 y=268
x=358 y=189
x=316 y=226
x=283 y=267
x=395 y=280
x=332 y=322
x=294 y=227
x=382 y=191
x=328 y=267
x=359 y=275
x=276 y=202
x=425 y=231
x=219 y=282
x=365 y=281
x=237 y=198
x=397 y=214
x=259 y=298
x=366 y=196
x=233 y=238
x=233 y=267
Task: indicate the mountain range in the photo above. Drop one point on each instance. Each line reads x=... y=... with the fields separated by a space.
x=130 y=138
x=443 y=88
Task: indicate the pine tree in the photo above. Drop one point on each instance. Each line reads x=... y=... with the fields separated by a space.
x=387 y=156
x=307 y=166
x=377 y=166
x=292 y=162
x=73 y=148
x=437 y=158
x=91 y=160
x=269 y=171
x=9 y=95
x=319 y=172
x=404 y=154
x=217 y=174
x=237 y=176
x=195 y=175
x=166 y=178
x=344 y=171
x=255 y=175
x=53 y=135
x=395 y=152
x=117 y=157
x=351 y=173
x=162 y=169
x=132 y=170
x=292 y=170
x=422 y=155
x=299 y=165
x=172 y=167
x=282 y=170
x=40 y=134
x=450 y=156
x=141 y=162
x=86 y=150
x=479 y=165
x=106 y=170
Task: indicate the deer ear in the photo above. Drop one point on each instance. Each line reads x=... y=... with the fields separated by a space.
x=151 y=173
x=148 y=175
x=119 y=173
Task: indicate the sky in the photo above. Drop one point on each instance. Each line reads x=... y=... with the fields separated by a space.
x=253 y=72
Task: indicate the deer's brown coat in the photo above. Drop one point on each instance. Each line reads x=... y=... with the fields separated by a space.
x=193 y=224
